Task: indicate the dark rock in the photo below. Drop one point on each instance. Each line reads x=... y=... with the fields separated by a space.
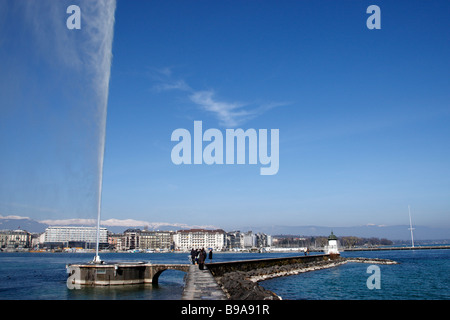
x=238 y=287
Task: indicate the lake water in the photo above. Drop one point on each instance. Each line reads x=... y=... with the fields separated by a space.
x=421 y=274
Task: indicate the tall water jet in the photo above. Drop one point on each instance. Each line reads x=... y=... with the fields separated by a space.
x=54 y=84
x=104 y=11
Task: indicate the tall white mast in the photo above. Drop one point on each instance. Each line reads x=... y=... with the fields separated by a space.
x=410 y=227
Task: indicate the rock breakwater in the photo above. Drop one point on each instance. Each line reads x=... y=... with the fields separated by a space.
x=240 y=285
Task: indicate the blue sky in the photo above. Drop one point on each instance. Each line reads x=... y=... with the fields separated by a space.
x=363 y=114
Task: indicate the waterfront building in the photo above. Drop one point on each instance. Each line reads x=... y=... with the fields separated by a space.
x=235 y=240
x=131 y=239
x=137 y=239
x=263 y=240
x=37 y=239
x=67 y=236
x=14 y=239
x=185 y=240
x=249 y=240
x=156 y=240
x=114 y=240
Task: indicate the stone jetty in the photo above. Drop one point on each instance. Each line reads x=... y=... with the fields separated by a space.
x=243 y=285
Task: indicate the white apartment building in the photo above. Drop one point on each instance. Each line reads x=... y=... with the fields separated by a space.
x=76 y=235
x=185 y=240
x=249 y=240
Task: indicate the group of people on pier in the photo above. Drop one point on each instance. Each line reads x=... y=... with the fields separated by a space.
x=198 y=257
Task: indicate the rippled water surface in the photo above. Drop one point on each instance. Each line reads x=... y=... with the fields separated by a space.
x=421 y=274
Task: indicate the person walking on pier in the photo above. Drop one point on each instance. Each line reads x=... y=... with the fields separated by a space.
x=193 y=255
x=201 y=259
x=210 y=255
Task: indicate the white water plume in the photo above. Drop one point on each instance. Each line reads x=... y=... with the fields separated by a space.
x=54 y=84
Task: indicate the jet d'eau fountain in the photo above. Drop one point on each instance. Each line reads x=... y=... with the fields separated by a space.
x=54 y=84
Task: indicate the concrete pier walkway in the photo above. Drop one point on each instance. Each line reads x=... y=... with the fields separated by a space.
x=200 y=285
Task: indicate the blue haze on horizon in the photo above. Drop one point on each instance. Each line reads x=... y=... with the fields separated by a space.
x=363 y=114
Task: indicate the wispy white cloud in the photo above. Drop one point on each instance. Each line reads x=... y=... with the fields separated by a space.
x=375 y=225
x=176 y=85
x=13 y=217
x=229 y=114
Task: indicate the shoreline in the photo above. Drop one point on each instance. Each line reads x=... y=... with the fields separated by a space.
x=274 y=251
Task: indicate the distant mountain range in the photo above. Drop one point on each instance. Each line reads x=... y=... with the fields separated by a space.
x=113 y=225
x=27 y=224
x=398 y=232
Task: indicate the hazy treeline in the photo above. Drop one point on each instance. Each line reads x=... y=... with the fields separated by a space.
x=320 y=241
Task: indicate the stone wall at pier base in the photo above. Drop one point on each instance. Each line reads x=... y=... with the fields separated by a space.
x=243 y=285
